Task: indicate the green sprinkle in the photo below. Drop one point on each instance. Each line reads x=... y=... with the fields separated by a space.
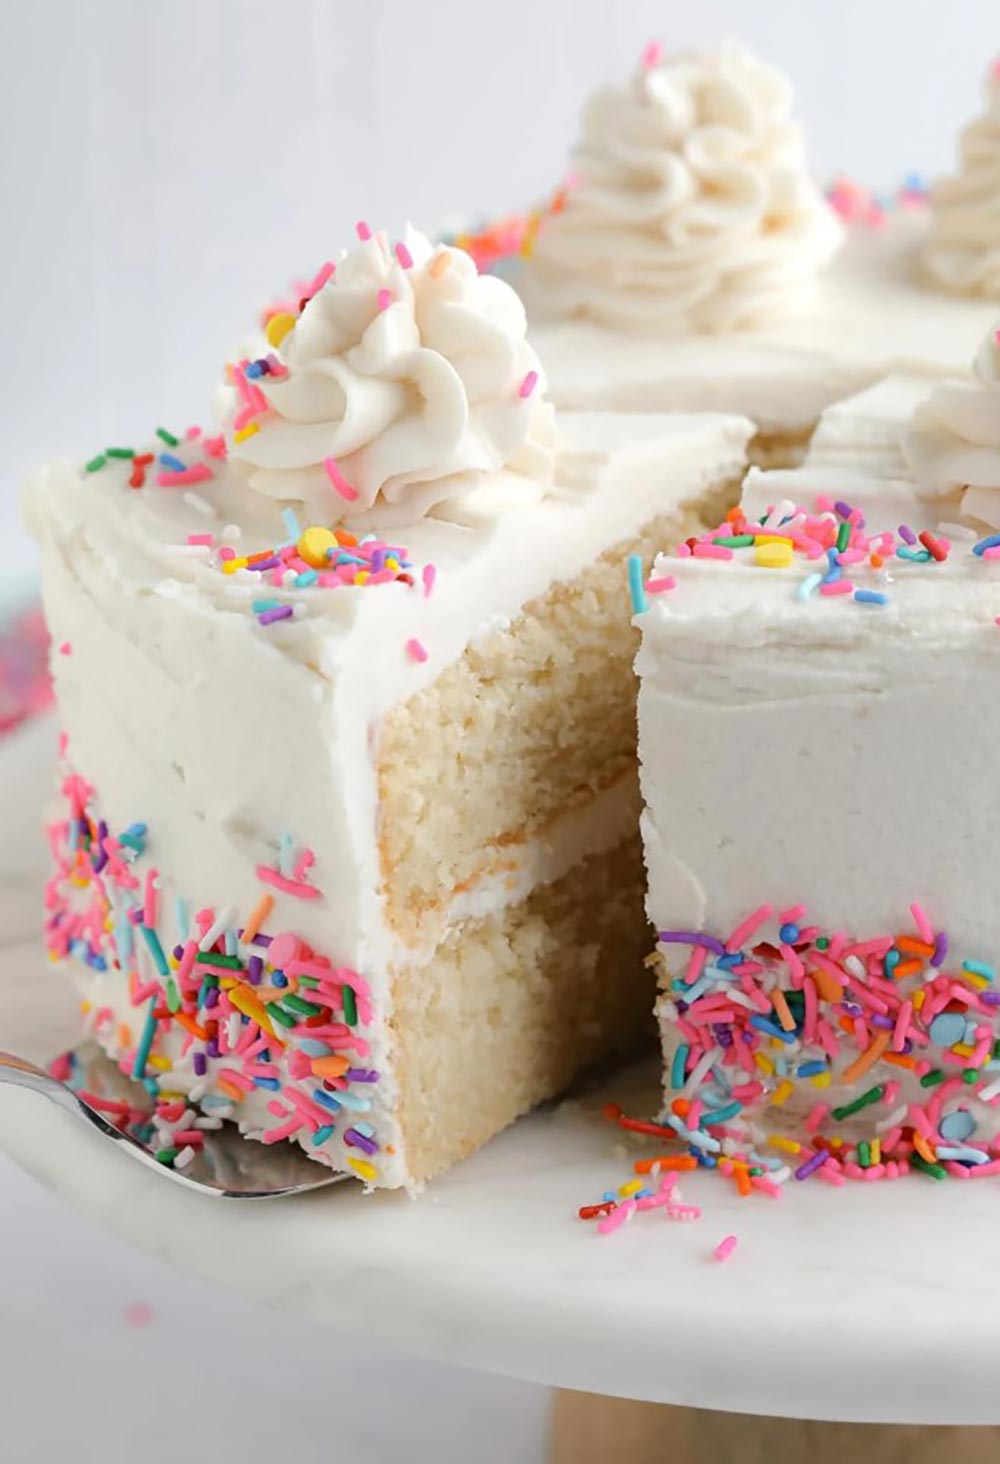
x=307 y=1008
x=934 y=1170
x=173 y=995
x=872 y=1096
x=96 y=463
x=285 y=1018
x=865 y=1154
x=735 y=541
x=309 y=981
x=843 y=536
x=125 y=453
x=209 y=958
x=931 y=1079
x=350 y=1006
x=166 y=1156
x=822 y=942
x=970 y=1076
x=167 y=437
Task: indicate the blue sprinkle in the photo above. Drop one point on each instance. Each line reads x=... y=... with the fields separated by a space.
x=892 y=960
x=916 y=556
x=871 y=597
x=291 y=522
x=635 y=585
x=181 y=917
x=677 y=1066
x=979 y=968
x=808 y=585
x=963 y=1154
x=173 y=463
x=285 y=855
x=322 y=1134
x=365 y=1129
x=810 y=1069
x=990 y=542
x=312 y=1048
x=721 y=1115
x=326 y=1099
x=305 y=578
x=271 y=1083
x=957 y=1126
x=254 y=370
x=763 y=1024
x=155 y=950
x=788 y=934
x=145 y=1041
x=356 y=1105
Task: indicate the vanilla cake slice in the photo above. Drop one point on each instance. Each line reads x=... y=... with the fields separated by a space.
x=821 y=876
x=347 y=840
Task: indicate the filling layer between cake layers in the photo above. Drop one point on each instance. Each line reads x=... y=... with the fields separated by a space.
x=820 y=879
x=365 y=874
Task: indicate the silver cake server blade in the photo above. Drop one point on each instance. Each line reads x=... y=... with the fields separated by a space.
x=225 y=1164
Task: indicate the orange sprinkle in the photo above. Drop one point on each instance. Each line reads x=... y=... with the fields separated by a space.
x=190 y=1025
x=876 y=561
x=913 y=947
x=781 y=1007
x=330 y=1067
x=230 y=1090
x=899 y=1058
x=258 y=915
x=923 y=1148
x=124 y=1035
x=829 y=988
x=681 y=1107
x=907 y=968
x=742 y=1178
x=439 y=264
x=846 y=1024
x=868 y=1058
x=345 y=539
x=666 y=1162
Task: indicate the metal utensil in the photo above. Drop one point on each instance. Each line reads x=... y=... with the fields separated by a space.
x=225 y=1164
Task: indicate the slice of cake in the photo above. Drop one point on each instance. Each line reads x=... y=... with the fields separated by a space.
x=688 y=267
x=820 y=877
x=347 y=845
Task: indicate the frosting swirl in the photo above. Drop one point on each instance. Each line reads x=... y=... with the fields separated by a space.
x=962 y=253
x=405 y=373
x=694 y=209
x=953 y=442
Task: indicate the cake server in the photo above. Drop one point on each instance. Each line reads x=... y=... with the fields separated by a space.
x=225 y=1164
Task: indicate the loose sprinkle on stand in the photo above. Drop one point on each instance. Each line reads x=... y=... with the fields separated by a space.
x=725 y=1248
x=416 y=650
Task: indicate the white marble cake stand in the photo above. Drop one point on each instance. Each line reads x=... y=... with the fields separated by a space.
x=874 y=1304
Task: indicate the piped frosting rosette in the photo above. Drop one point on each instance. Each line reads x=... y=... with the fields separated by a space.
x=954 y=441
x=963 y=247
x=403 y=382
x=693 y=208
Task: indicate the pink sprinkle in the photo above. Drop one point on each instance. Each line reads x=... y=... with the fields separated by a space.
x=215 y=446
x=616 y=1217
x=384 y=299
x=902 y=1022
x=837 y=587
x=137 y=1314
x=416 y=649
x=304 y=863
x=362 y=230
x=817 y=1116
x=429 y=576
x=661 y=585
x=326 y=272
x=149 y=906
x=338 y=480
x=528 y=384
x=711 y=551
x=924 y=926
x=652 y=55
x=748 y=926
x=993 y=552
x=404 y=256
x=287 y=886
x=206 y=539
x=65 y=648
x=196 y=473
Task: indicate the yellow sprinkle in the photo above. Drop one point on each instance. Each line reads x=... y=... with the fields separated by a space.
x=244 y=1001
x=85 y=1007
x=773 y=554
x=836 y=1143
x=245 y=432
x=359 y=579
x=363 y=1168
x=439 y=264
x=821 y=1080
x=228 y=982
x=230 y=566
x=789 y=1145
x=979 y=982
x=782 y=1093
x=962 y=1049
x=156 y=1060
x=632 y=1188
x=875 y=1149
x=277 y=328
x=771 y=539
x=918 y=999
x=314 y=546
x=763 y=1062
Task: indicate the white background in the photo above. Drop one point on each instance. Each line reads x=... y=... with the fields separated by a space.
x=166 y=165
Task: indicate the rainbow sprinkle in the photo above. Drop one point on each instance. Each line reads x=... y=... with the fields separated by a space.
x=224 y=1009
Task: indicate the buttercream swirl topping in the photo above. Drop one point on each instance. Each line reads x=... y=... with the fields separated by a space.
x=405 y=380
x=962 y=253
x=953 y=442
x=693 y=208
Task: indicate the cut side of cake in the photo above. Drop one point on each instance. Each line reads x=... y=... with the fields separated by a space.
x=346 y=846
x=819 y=878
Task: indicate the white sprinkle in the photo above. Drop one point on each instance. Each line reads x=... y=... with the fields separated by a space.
x=188 y=551
x=184 y=1158
x=200 y=505
x=224 y=918
x=895 y=1117
x=991 y=1092
x=856 y=967
x=232 y=531
x=700 y=1071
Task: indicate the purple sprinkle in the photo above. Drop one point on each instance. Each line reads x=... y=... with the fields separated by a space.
x=211 y=998
x=844 y=509
x=811 y=1165
x=255 y=970
x=877 y=1020
x=282 y=612
x=135 y=916
x=358 y=1141
x=723 y=1035
x=851 y=1009
x=212 y=1047
x=178 y=952
x=940 y=949
x=907 y=534
x=361 y=1075
x=692 y=938
x=200 y=1064
x=270 y=563
x=991 y=998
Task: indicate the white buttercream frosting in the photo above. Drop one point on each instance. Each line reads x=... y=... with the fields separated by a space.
x=405 y=370
x=963 y=249
x=954 y=438
x=694 y=208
